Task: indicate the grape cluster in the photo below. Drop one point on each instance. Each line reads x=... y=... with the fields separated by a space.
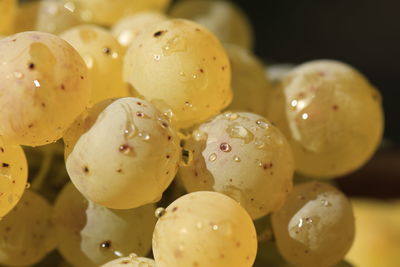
x=172 y=109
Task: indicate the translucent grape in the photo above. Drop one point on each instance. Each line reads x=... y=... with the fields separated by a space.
x=131 y=261
x=222 y=18
x=44 y=86
x=204 y=229
x=251 y=88
x=91 y=235
x=122 y=155
x=178 y=64
x=331 y=115
x=243 y=156
x=129 y=28
x=315 y=227
x=103 y=57
x=8 y=9
x=27 y=233
x=105 y=12
x=56 y=16
x=26 y=16
x=13 y=175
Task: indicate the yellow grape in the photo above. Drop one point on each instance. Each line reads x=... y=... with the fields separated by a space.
x=222 y=18
x=315 y=226
x=204 y=229
x=8 y=10
x=26 y=16
x=105 y=12
x=251 y=87
x=131 y=261
x=91 y=235
x=331 y=115
x=44 y=86
x=27 y=233
x=127 y=29
x=122 y=154
x=55 y=16
x=13 y=175
x=178 y=64
x=103 y=57
x=243 y=156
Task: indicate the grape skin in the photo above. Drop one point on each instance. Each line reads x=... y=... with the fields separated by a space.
x=27 y=231
x=222 y=18
x=105 y=12
x=331 y=115
x=44 y=87
x=91 y=235
x=103 y=57
x=13 y=175
x=8 y=9
x=179 y=65
x=131 y=261
x=204 y=229
x=315 y=226
x=243 y=156
x=251 y=87
x=26 y=16
x=122 y=155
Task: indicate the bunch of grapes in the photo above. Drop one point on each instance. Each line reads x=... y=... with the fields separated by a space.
x=157 y=139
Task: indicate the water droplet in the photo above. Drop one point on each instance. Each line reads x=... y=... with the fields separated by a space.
x=36 y=83
x=159 y=212
x=304 y=116
x=144 y=136
x=212 y=157
x=18 y=75
x=130 y=128
x=231 y=116
x=262 y=124
x=238 y=131
x=132 y=256
x=293 y=104
x=70 y=6
x=28 y=185
x=215 y=227
x=175 y=44
x=199 y=135
x=188 y=104
x=118 y=253
x=259 y=144
x=106 y=244
x=157 y=57
x=225 y=147
x=300 y=223
x=325 y=203
x=236 y=158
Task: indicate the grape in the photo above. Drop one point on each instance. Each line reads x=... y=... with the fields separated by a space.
x=13 y=175
x=315 y=227
x=27 y=233
x=56 y=16
x=44 y=86
x=131 y=261
x=102 y=55
x=204 y=229
x=90 y=235
x=107 y=12
x=178 y=64
x=26 y=16
x=126 y=156
x=331 y=115
x=129 y=28
x=277 y=72
x=250 y=85
x=222 y=18
x=243 y=156
x=7 y=15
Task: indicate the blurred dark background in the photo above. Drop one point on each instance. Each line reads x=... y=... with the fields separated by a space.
x=363 y=33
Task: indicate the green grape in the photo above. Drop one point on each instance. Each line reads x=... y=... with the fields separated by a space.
x=13 y=175
x=91 y=235
x=8 y=9
x=122 y=155
x=127 y=29
x=27 y=233
x=204 y=229
x=251 y=88
x=105 y=12
x=315 y=226
x=26 y=16
x=131 y=261
x=44 y=86
x=222 y=18
x=55 y=16
x=243 y=156
x=331 y=115
x=179 y=65
x=103 y=57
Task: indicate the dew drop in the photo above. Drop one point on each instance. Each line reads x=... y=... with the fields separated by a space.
x=212 y=157
x=305 y=116
x=28 y=185
x=144 y=136
x=236 y=159
x=106 y=244
x=36 y=83
x=262 y=124
x=325 y=203
x=199 y=135
x=157 y=57
x=159 y=212
x=238 y=131
x=231 y=116
x=225 y=147
x=175 y=44
x=259 y=144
